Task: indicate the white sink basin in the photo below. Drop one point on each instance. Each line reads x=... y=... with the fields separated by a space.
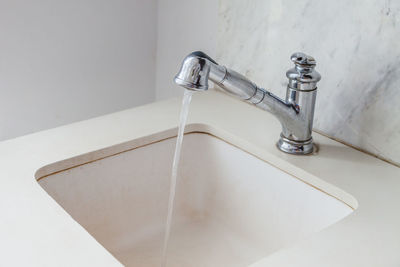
x=231 y=208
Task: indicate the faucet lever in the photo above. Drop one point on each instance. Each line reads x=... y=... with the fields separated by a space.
x=301 y=59
x=303 y=77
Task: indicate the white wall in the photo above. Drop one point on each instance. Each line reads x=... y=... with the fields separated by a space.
x=183 y=26
x=65 y=61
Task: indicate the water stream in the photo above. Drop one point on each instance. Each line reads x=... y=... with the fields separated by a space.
x=187 y=97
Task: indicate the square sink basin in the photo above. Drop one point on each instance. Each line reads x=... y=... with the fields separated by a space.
x=231 y=208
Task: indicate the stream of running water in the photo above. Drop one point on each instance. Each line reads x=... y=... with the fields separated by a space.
x=187 y=97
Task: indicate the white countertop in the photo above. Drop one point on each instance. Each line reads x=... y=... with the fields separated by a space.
x=36 y=231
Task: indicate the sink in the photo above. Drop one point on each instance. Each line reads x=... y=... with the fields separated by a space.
x=231 y=208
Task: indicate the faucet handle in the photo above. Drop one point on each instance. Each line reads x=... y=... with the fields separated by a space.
x=303 y=77
x=303 y=60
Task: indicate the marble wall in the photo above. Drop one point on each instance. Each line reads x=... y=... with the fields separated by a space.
x=357 y=48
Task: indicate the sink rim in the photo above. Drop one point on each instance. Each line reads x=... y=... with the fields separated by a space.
x=202 y=128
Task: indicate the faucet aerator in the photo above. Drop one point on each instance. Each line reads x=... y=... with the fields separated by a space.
x=190 y=85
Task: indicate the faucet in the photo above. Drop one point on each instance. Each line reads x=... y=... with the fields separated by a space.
x=296 y=112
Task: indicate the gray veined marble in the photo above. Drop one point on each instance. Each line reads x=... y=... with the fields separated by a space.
x=357 y=48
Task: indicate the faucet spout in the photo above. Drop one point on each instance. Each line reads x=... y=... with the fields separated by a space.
x=295 y=113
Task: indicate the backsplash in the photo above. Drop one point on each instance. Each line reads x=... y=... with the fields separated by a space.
x=357 y=48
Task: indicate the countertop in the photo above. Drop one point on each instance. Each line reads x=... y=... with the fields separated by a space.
x=36 y=231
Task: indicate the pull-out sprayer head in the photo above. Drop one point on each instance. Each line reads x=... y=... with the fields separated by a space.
x=194 y=72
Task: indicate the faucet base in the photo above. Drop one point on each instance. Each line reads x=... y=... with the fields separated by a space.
x=295 y=147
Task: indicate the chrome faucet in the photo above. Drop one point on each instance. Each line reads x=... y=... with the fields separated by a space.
x=296 y=112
